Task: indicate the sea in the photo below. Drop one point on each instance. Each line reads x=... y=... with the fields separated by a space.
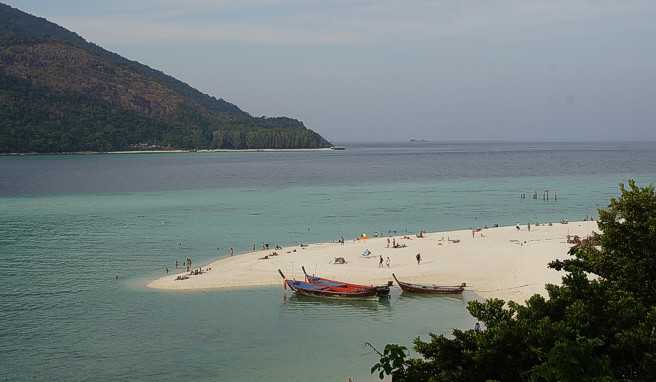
x=81 y=236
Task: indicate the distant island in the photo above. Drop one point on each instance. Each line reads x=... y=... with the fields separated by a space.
x=60 y=93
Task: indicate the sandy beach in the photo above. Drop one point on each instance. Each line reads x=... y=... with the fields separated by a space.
x=498 y=262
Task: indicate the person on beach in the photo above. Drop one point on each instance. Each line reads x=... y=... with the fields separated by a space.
x=529 y=227
x=232 y=251
x=418 y=257
x=387 y=262
x=380 y=262
x=388 y=242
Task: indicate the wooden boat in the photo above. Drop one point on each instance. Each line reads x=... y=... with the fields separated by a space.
x=338 y=291
x=381 y=290
x=430 y=289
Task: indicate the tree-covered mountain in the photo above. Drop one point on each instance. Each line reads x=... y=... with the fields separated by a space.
x=60 y=93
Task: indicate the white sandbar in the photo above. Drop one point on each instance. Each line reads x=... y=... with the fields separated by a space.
x=504 y=262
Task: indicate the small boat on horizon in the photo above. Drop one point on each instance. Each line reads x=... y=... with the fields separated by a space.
x=430 y=289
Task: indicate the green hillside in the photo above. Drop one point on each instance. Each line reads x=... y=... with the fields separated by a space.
x=60 y=93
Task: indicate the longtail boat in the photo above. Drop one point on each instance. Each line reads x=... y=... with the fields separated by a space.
x=381 y=290
x=430 y=289
x=316 y=290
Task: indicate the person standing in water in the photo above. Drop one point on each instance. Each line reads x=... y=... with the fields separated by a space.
x=418 y=257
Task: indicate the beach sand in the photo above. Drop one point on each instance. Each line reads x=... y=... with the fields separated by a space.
x=502 y=262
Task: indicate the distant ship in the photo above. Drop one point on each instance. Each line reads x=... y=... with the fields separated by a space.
x=419 y=140
x=338 y=148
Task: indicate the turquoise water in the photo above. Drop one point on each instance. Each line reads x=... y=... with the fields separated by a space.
x=71 y=224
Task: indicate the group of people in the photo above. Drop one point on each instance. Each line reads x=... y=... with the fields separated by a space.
x=388 y=261
x=199 y=271
x=528 y=226
x=545 y=195
x=186 y=264
x=394 y=243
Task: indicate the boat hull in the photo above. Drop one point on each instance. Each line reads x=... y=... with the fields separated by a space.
x=306 y=289
x=380 y=290
x=429 y=289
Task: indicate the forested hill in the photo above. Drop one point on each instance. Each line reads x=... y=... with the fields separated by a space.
x=60 y=93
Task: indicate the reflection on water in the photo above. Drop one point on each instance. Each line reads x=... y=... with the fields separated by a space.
x=317 y=307
x=408 y=296
x=381 y=308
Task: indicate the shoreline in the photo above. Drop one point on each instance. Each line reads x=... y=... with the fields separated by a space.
x=203 y=151
x=500 y=262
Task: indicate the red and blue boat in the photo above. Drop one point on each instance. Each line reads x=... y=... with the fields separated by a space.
x=320 y=287
x=382 y=290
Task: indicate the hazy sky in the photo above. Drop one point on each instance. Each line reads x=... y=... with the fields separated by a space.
x=392 y=70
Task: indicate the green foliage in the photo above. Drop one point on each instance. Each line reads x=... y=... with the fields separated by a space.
x=599 y=325
x=46 y=112
x=392 y=362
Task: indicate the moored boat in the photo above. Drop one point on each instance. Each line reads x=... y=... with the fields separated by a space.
x=430 y=289
x=381 y=290
x=329 y=291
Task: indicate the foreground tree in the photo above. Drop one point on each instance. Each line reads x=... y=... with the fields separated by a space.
x=599 y=325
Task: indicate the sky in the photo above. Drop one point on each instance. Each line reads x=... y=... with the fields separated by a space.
x=361 y=70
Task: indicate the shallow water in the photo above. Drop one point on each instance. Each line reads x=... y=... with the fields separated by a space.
x=70 y=224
